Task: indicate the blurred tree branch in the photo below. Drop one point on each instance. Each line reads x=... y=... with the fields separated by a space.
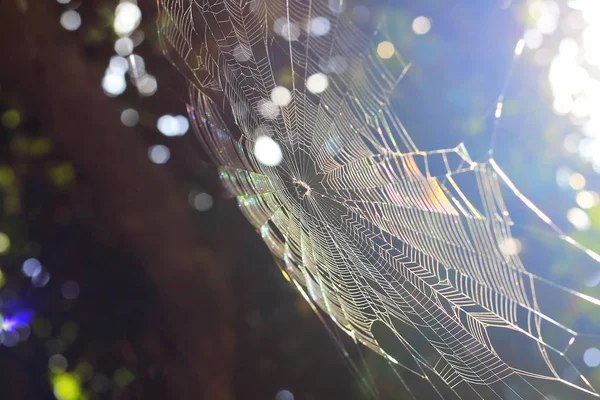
x=46 y=67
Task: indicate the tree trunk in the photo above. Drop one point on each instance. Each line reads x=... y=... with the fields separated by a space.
x=46 y=66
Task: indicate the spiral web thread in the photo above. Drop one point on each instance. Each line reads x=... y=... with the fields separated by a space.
x=367 y=227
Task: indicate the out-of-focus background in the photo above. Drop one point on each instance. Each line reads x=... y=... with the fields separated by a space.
x=126 y=272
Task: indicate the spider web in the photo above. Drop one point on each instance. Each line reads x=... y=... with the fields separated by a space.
x=374 y=232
